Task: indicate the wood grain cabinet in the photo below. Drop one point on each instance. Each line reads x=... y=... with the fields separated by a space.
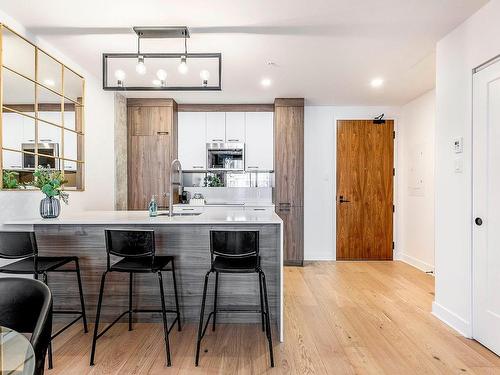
x=152 y=145
x=289 y=175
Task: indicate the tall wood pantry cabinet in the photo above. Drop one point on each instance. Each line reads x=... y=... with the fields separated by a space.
x=152 y=146
x=289 y=175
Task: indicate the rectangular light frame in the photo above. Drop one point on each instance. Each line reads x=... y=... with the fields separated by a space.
x=106 y=56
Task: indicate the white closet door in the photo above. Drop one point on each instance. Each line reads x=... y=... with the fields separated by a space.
x=486 y=207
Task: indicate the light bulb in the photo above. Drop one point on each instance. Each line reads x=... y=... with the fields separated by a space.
x=120 y=77
x=140 y=67
x=161 y=74
x=377 y=82
x=266 y=82
x=183 y=68
x=205 y=75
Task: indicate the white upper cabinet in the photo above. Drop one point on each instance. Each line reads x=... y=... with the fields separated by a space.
x=192 y=140
x=216 y=127
x=259 y=141
x=235 y=127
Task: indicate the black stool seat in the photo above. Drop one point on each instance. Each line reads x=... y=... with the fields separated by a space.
x=142 y=264
x=236 y=265
x=138 y=252
x=234 y=252
x=22 y=247
x=44 y=264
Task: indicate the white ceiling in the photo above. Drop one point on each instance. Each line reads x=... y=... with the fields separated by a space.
x=325 y=50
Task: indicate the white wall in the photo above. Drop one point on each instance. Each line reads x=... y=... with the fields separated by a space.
x=320 y=141
x=99 y=147
x=471 y=44
x=415 y=179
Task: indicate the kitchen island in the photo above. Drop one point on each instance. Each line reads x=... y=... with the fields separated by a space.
x=186 y=238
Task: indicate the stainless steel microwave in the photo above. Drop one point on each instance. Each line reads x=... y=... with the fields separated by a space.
x=225 y=156
x=48 y=154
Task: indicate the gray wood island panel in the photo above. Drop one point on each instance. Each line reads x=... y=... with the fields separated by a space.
x=188 y=241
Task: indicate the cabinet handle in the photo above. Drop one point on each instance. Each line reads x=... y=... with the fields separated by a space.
x=197 y=167
x=187 y=209
x=233 y=140
x=217 y=140
x=45 y=140
x=285 y=204
x=249 y=167
x=162 y=133
x=259 y=209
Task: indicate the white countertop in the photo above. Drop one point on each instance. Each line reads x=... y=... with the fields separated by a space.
x=141 y=217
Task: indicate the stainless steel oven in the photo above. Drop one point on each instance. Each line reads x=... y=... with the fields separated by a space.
x=48 y=155
x=225 y=156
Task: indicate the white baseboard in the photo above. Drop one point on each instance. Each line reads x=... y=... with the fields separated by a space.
x=453 y=320
x=417 y=263
x=319 y=260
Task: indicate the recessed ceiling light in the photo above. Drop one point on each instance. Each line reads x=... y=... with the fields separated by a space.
x=377 y=82
x=49 y=82
x=266 y=82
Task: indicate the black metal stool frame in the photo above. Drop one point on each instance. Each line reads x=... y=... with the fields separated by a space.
x=264 y=303
x=36 y=272
x=130 y=310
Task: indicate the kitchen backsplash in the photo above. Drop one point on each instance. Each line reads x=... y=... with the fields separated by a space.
x=233 y=180
x=214 y=195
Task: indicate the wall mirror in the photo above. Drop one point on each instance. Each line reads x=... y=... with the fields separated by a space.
x=42 y=122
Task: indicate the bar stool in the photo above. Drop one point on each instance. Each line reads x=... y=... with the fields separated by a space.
x=235 y=252
x=137 y=250
x=22 y=245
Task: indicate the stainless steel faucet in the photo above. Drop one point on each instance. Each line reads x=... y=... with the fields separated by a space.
x=174 y=167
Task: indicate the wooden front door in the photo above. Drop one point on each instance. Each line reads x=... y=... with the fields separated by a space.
x=365 y=155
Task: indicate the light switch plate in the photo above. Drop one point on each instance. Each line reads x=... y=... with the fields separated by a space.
x=458 y=145
x=459 y=165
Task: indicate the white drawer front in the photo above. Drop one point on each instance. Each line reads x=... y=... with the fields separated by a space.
x=188 y=210
x=257 y=209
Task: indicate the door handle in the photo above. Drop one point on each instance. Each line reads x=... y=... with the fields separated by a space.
x=478 y=221
x=343 y=200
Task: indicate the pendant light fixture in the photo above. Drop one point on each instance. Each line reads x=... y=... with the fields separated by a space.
x=183 y=67
x=162 y=71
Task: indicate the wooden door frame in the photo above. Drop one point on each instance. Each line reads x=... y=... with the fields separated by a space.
x=395 y=185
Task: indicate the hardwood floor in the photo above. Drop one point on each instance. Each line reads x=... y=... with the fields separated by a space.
x=340 y=318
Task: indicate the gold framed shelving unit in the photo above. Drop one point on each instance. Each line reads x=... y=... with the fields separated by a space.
x=42 y=114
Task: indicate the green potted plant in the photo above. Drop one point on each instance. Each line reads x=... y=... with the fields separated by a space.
x=11 y=180
x=51 y=183
x=212 y=181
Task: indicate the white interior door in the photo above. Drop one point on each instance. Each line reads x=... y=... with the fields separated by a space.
x=486 y=207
